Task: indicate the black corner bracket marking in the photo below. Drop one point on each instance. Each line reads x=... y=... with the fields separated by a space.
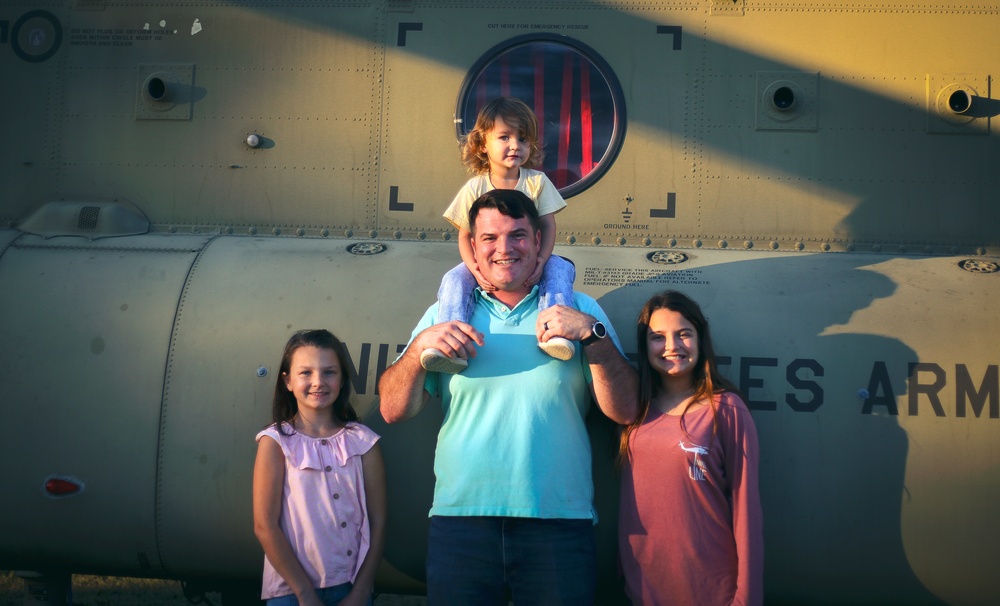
x=669 y=213
x=395 y=204
x=407 y=27
x=672 y=30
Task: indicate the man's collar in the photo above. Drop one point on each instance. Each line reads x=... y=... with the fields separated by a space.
x=492 y=300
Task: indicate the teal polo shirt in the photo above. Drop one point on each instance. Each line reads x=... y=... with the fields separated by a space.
x=513 y=441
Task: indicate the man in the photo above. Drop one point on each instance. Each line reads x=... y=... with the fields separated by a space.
x=513 y=498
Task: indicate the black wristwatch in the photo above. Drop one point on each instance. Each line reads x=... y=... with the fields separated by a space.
x=597 y=332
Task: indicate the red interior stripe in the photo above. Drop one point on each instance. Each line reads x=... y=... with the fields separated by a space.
x=586 y=123
x=539 y=102
x=565 y=120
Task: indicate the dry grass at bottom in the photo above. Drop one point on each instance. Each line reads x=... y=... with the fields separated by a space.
x=124 y=591
x=105 y=591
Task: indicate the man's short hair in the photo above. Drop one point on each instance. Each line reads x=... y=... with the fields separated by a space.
x=509 y=202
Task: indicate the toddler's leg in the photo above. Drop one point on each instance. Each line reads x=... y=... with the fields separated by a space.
x=556 y=288
x=455 y=302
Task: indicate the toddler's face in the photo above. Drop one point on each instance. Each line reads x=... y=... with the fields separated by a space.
x=505 y=147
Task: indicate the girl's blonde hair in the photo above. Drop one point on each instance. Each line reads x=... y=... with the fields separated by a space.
x=514 y=112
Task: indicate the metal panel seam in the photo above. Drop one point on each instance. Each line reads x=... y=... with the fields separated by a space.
x=163 y=397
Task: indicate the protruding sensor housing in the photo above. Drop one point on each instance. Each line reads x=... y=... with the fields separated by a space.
x=960 y=101
x=165 y=91
x=954 y=105
x=783 y=97
x=157 y=89
x=787 y=101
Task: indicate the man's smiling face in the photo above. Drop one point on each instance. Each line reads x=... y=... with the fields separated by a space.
x=506 y=250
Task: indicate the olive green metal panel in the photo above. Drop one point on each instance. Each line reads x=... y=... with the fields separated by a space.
x=859 y=163
x=244 y=299
x=28 y=95
x=872 y=374
x=851 y=480
x=872 y=474
x=420 y=170
x=949 y=416
x=353 y=105
x=426 y=168
x=7 y=236
x=306 y=81
x=870 y=169
x=85 y=328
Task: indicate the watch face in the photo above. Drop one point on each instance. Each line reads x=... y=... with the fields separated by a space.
x=597 y=332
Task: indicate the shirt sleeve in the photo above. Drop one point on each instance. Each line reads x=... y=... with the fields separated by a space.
x=270 y=431
x=458 y=212
x=742 y=457
x=358 y=440
x=545 y=194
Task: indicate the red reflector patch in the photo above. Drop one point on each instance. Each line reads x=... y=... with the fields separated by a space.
x=61 y=487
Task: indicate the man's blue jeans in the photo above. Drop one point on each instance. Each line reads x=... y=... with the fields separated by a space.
x=481 y=561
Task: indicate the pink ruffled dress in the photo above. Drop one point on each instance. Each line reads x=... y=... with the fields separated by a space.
x=323 y=512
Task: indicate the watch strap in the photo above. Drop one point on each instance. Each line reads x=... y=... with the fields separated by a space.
x=597 y=332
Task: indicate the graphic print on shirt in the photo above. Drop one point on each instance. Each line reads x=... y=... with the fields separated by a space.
x=697 y=469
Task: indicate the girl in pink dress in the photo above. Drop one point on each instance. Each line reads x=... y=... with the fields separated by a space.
x=690 y=525
x=319 y=501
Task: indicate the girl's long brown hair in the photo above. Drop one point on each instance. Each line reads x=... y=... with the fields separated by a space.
x=705 y=378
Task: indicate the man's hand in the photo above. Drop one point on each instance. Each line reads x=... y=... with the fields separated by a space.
x=562 y=321
x=454 y=339
x=401 y=388
x=536 y=276
x=483 y=282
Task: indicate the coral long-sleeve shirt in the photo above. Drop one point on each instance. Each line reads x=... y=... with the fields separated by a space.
x=690 y=523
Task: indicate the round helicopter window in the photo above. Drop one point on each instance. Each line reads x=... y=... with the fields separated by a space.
x=574 y=93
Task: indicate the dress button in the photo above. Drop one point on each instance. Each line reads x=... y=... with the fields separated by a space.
x=336 y=495
x=343 y=524
x=322 y=441
x=328 y=468
x=349 y=552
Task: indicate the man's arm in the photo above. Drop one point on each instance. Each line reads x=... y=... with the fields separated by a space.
x=401 y=388
x=615 y=384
